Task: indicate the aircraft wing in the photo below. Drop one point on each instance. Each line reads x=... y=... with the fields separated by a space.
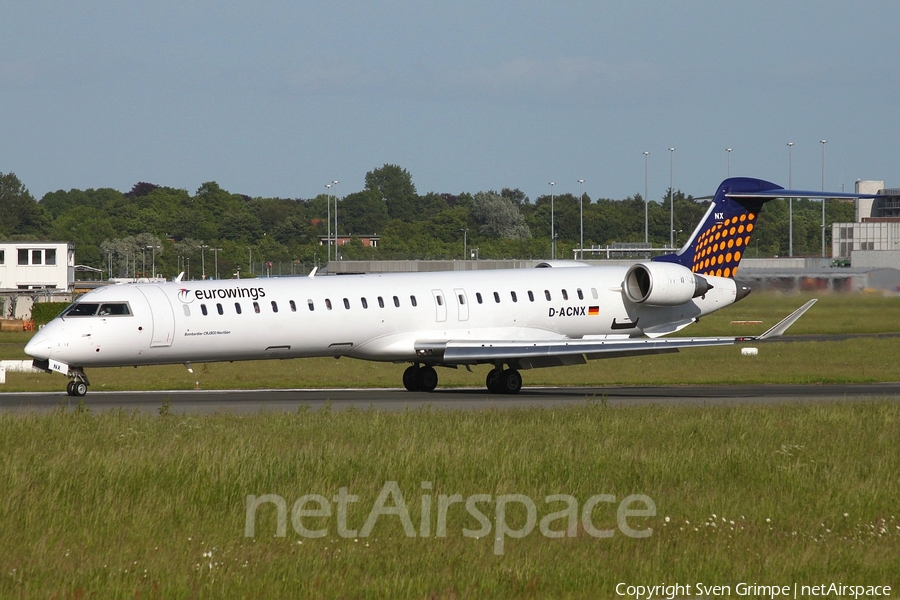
x=545 y=353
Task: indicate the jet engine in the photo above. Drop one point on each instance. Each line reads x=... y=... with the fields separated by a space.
x=663 y=284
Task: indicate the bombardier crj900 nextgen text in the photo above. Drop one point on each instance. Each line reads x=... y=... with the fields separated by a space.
x=511 y=319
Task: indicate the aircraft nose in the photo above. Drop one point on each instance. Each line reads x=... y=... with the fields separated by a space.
x=39 y=346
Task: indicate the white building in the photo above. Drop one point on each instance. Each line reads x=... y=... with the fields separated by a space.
x=874 y=239
x=36 y=265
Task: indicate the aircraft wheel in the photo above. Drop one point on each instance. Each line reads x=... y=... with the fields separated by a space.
x=493 y=381
x=70 y=388
x=79 y=388
x=412 y=379
x=510 y=381
x=428 y=378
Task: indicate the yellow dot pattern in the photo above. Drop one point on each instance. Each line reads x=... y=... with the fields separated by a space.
x=719 y=249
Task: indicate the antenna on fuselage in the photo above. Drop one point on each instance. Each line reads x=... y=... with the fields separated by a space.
x=313 y=272
x=180 y=275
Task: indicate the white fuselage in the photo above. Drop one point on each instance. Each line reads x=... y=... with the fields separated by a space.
x=373 y=317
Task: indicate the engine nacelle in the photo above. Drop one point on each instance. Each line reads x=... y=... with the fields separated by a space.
x=663 y=284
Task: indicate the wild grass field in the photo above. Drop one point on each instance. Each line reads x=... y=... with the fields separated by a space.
x=128 y=505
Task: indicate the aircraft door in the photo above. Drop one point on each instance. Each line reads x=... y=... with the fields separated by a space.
x=440 y=305
x=162 y=314
x=462 y=302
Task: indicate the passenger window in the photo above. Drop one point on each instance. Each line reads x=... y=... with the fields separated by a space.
x=478 y=297
x=530 y=296
x=256 y=307
x=580 y=295
x=513 y=296
x=594 y=293
x=440 y=300
x=396 y=301
x=496 y=297
x=219 y=309
x=310 y=304
x=237 y=307
x=328 y=303
x=412 y=299
x=274 y=306
x=365 y=303
x=380 y=302
x=187 y=310
x=565 y=295
x=346 y=304
x=293 y=306
x=203 y=309
x=547 y=294
x=462 y=299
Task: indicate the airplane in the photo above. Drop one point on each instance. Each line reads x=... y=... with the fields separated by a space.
x=512 y=319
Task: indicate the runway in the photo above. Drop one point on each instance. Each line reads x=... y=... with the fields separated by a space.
x=254 y=401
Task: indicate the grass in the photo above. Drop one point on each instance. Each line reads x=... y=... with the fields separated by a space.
x=127 y=505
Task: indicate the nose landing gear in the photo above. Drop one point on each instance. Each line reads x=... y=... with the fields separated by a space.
x=79 y=384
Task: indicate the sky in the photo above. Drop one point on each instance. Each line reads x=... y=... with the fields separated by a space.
x=278 y=98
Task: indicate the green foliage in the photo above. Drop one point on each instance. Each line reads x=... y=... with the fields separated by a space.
x=506 y=225
x=20 y=214
x=44 y=312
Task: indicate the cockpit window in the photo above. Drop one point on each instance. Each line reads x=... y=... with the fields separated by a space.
x=90 y=309
x=114 y=308
x=82 y=309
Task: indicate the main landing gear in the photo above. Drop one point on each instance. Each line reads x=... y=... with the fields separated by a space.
x=420 y=379
x=499 y=380
x=79 y=384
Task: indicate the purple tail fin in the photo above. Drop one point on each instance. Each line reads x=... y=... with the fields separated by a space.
x=719 y=242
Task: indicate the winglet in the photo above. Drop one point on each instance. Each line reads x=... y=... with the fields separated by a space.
x=786 y=322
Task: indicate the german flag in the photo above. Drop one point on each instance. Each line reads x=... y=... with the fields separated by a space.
x=593 y=311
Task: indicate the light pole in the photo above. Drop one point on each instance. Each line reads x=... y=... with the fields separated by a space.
x=728 y=152
x=328 y=203
x=203 y=248
x=790 y=146
x=552 y=225
x=581 y=214
x=334 y=184
x=646 y=215
x=216 y=251
x=823 y=142
x=153 y=250
x=465 y=242
x=671 y=198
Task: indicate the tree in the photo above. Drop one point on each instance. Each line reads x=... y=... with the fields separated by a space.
x=394 y=185
x=362 y=212
x=20 y=214
x=499 y=216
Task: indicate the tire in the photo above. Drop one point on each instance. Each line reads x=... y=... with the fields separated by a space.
x=428 y=379
x=70 y=388
x=493 y=381
x=80 y=388
x=412 y=379
x=511 y=381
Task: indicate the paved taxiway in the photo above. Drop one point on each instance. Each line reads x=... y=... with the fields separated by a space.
x=252 y=401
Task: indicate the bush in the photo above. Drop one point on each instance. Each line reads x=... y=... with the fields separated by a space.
x=44 y=312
